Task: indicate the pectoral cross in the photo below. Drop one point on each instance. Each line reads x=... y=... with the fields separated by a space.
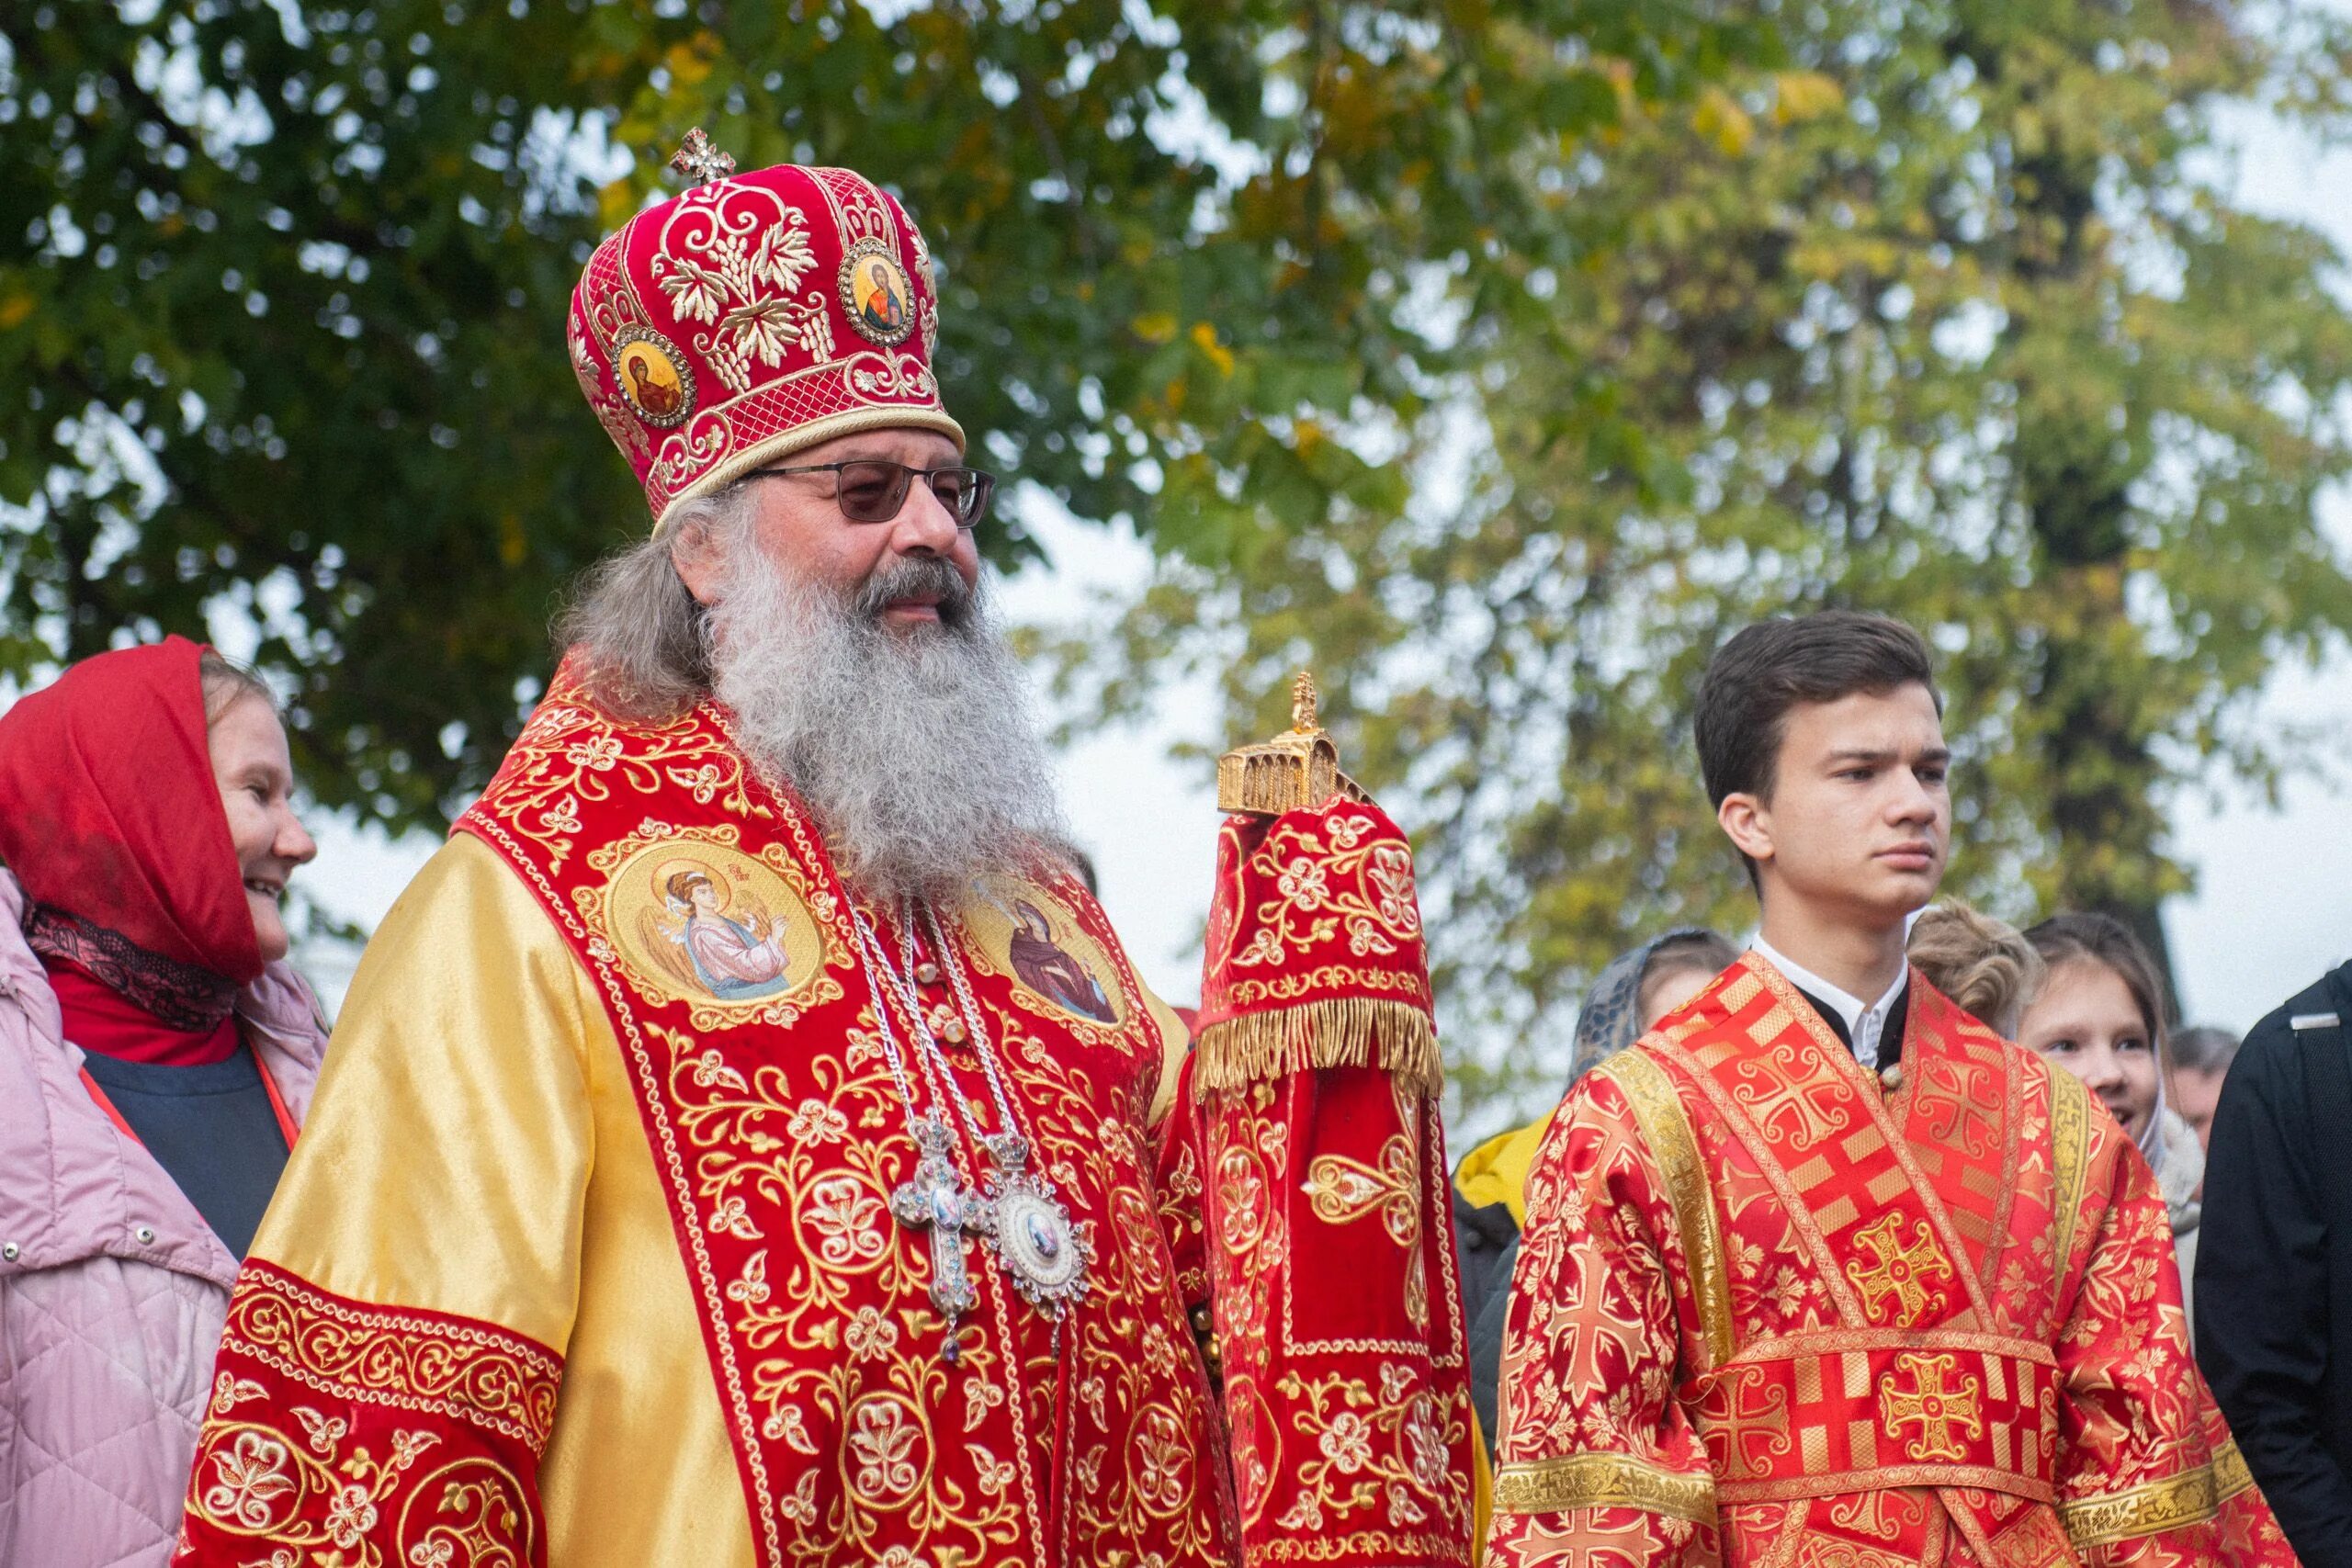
x=936 y=1198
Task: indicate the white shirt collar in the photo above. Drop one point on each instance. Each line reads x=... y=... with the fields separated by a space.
x=1865 y=1022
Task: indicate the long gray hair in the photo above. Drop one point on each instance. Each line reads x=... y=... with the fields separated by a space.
x=643 y=642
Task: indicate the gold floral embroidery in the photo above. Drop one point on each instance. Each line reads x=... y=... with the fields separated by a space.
x=568 y=756
x=313 y=1503
x=464 y=1371
x=1387 y=1450
x=714 y=271
x=1343 y=1190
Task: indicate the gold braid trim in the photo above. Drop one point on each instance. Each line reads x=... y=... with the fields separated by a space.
x=2231 y=1476
x=1604 y=1481
x=2188 y=1498
x=2070 y=1133
x=1337 y=1031
x=1665 y=1128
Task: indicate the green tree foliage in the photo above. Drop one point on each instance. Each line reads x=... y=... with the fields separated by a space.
x=282 y=286
x=1946 y=318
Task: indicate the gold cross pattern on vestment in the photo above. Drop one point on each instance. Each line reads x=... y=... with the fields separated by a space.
x=1756 y=1434
x=1583 y=1542
x=699 y=162
x=1794 y=1100
x=1896 y=1270
x=1930 y=1403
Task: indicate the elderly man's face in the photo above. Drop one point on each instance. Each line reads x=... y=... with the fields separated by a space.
x=800 y=527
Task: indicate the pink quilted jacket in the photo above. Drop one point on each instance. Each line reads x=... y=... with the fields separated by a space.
x=112 y=1288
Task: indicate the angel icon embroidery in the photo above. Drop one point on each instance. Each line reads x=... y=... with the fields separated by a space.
x=731 y=950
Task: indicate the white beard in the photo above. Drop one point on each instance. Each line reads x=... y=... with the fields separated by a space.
x=915 y=749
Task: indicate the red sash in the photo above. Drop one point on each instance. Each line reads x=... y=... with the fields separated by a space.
x=701 y=902
x=1903 y=1207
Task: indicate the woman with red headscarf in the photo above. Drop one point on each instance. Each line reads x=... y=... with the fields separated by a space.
x=156 y=1055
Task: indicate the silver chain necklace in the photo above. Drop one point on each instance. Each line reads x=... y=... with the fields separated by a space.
x=1018 y=1216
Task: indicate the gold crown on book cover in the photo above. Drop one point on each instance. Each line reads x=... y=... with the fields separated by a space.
x=1297 y=770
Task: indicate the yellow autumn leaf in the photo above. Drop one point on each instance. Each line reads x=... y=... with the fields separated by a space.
x=690 y=61
x=1204 y=338
x=1805 y=94
x=1720 y=118
x=616 y=203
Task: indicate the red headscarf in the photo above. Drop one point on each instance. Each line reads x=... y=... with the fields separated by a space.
x=112 y=822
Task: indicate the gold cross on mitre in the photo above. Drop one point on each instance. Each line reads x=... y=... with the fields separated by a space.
x=1299 y=770
x=699 y=162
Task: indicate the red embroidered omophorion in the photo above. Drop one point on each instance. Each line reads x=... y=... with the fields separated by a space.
x=1315 y=1163
x=1766 y=1313
x=699 y=900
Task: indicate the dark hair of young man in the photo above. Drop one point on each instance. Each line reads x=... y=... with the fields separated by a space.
x=1772 y=666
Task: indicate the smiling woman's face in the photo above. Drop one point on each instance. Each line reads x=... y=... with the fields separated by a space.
x=255 y=774
x=2085 y=1019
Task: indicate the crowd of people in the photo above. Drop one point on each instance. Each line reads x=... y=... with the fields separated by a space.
x=746 y=1143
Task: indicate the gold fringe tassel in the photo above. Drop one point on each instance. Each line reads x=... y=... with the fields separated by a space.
x=1340 y=1031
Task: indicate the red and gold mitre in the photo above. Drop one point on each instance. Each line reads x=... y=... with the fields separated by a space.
x=753 y=316
x=1315 y=958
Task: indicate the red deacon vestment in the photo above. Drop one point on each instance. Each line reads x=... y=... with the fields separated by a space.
x=1769 y=1313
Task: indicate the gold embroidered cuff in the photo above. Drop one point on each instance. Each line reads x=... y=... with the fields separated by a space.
x=2188 y=1498
x=1604 y=1481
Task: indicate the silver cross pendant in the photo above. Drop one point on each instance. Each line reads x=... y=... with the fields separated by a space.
x=936 y=1199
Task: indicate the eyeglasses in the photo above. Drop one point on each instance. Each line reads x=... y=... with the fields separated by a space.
x=872 y=490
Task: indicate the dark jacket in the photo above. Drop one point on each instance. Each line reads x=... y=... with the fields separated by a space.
x=2273 y=1266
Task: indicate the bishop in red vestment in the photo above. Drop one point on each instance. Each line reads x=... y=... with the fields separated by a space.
x=1823 y=1271
x=740 y=1146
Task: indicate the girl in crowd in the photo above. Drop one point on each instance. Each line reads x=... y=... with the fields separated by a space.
x=2101 y=1015
x=156 y=1055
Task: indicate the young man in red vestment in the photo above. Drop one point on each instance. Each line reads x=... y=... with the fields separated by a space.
x=1823 y=1271
x=707 y=1172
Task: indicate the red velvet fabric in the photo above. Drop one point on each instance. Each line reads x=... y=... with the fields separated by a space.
x=111 y=821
